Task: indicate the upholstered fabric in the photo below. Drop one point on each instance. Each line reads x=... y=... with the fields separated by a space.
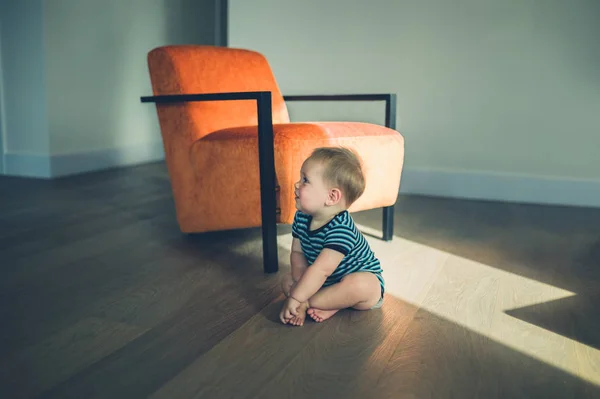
x=207 y=69
x=226 y=164
x=194 y=69
x=211 y=148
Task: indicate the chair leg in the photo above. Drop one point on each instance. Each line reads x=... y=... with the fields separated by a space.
x=269 y=238
x=388 y=223
x=268 y=201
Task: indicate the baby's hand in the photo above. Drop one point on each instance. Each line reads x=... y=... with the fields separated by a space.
x=289 y=310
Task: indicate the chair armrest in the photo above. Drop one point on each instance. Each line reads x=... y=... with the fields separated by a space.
x=339 y=97
x=389 y=98
x=175 y=98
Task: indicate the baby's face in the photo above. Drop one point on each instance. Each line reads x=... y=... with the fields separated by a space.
x=311 y=191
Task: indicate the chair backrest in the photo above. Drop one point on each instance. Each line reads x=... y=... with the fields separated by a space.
x=200 y=69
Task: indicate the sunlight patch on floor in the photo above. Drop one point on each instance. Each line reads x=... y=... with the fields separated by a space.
x=476 y=296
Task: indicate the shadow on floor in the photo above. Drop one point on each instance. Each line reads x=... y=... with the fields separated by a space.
x=555 y=245
x=441 y=359
x=569 y=317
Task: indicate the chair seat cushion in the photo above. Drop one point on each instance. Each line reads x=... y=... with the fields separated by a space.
x=227 y=172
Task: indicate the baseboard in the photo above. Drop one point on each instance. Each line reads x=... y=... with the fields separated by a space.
x=501 y=187
x=27 y=165
x=69 y=164
x=43 y=166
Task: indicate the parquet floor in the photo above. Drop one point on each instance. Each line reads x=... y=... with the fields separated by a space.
x=101 y=295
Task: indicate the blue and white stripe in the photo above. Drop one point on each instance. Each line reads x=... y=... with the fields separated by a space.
x=339 y=234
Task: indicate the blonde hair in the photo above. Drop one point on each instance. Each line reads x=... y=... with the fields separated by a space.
x=343 y=169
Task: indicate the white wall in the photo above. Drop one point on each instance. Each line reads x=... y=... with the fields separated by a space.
x=74 y=75
x=2 y=128
x=23 y=105
x=97 y=67
x=499 y=94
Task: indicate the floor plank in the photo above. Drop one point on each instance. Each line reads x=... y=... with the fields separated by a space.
x=248 y=357
x=346 y=358
x=31 y=371
x=167 y=348
x=440 y=359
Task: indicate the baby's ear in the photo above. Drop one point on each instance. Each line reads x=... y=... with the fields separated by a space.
x=335 y=196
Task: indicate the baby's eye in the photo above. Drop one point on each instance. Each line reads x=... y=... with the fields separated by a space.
x=305 y=180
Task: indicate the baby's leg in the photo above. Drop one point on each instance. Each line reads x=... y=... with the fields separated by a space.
x=359 y=290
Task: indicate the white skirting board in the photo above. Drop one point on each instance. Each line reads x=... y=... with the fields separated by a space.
x=43 y=166
x=501 y=187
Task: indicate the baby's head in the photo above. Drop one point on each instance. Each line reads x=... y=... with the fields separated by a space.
x=330 y=177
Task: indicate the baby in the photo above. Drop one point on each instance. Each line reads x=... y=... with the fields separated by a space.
x=332 y=265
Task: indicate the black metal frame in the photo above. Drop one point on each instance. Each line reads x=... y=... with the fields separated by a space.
x=266 y=160
x=390 y=121
x=266 y=155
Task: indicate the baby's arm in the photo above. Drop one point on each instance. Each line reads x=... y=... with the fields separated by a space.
x=314 y=276
x=292 y=312
x=298 y=261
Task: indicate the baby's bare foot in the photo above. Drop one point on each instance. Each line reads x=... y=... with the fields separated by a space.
x=299 y=320
x=319 y=315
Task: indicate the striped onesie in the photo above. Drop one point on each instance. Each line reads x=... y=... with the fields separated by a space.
x=339 y=234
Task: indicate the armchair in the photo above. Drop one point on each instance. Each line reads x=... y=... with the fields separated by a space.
x=232 y=153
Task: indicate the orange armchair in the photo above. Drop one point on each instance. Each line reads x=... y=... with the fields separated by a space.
x=232 y=153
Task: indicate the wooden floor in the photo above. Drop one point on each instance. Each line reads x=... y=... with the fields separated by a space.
x=101 y=295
